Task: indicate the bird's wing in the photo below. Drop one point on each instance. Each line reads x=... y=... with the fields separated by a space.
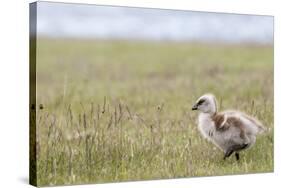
x=254 y=121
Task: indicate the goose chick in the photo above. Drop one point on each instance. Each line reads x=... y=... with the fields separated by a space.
x=231 y=131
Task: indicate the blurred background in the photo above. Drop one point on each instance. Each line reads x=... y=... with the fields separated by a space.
x=105 y=22
x=86 y=52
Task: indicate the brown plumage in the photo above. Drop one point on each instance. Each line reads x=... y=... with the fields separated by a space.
x=223 y=123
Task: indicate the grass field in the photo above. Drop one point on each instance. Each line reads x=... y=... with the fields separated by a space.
x=121 y=110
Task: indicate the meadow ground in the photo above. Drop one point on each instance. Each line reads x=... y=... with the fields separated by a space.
x=121 y=110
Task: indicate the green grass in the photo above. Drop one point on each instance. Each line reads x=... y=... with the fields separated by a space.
x=121 y=110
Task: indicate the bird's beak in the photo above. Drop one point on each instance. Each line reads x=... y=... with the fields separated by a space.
x=195 y=107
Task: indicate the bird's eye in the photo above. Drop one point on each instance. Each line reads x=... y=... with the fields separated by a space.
x=201 y=101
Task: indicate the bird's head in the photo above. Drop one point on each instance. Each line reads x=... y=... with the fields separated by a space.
x=206 y=104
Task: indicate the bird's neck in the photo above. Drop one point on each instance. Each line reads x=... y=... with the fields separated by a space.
x=210 y=113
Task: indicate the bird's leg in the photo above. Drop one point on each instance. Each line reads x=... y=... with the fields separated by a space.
x=227 y=153
x=237 y=156
x=235 y=148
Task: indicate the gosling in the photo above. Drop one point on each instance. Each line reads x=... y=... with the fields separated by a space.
x=231 y=131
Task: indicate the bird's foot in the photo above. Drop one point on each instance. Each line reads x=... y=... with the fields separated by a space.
x=237 y=156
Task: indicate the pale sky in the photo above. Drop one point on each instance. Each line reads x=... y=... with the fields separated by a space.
x=108 y=22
